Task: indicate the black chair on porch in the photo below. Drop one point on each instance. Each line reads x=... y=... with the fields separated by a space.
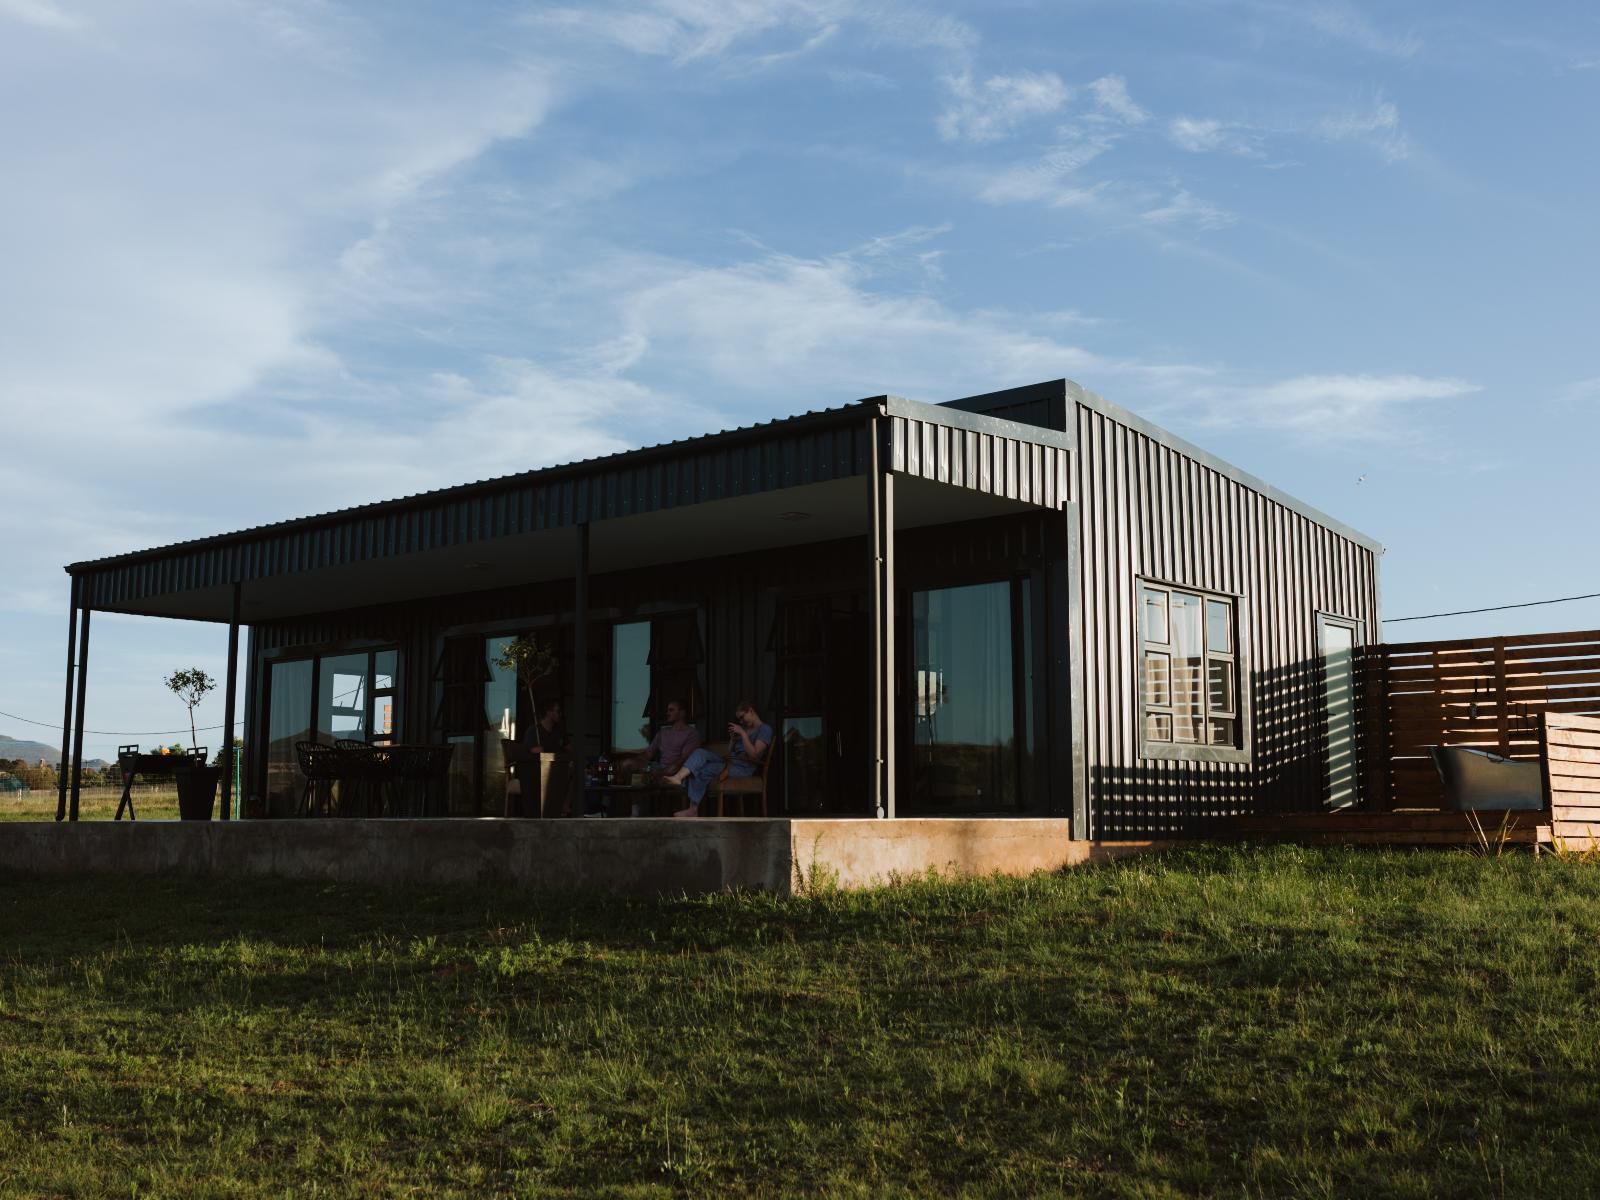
x=320 y=766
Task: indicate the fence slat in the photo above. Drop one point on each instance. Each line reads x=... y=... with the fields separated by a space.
x=1487 y=693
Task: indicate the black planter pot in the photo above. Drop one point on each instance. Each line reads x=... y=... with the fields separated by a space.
x=197 y=791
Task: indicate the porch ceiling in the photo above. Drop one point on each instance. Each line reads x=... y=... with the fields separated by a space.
x=747 y=524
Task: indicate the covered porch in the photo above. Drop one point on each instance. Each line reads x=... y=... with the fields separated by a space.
x=887 y=581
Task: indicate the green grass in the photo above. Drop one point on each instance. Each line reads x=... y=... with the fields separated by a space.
x=94 y=804
x=1277 y=1022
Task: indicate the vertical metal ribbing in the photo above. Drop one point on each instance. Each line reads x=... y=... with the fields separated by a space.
x=890 y=733
x=66 y=716
x=227 y=707
x=875 y=785
x=77 y=725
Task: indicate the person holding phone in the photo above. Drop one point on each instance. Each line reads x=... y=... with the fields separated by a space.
x=749 y=739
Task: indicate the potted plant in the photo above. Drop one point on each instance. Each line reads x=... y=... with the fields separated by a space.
x=532 y=658
x=197 y=782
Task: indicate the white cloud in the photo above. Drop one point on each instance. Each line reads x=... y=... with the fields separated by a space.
x=1206 y=135
x=44 y=15
x=1045 y=180
x=1584 y=391
x=1195 y=134
x=1325 y=408
x=1111 y=96
x=689 y=30
x=1183 y=209
x=1375 y=122
x=1345 y=23
x=993 y=109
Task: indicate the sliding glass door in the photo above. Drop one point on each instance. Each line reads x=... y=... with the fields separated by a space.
x=968 y=709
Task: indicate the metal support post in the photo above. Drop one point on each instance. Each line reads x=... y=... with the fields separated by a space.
x=66 y=716
x=77 y=727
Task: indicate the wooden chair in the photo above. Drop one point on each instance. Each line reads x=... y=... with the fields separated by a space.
x=743 y=789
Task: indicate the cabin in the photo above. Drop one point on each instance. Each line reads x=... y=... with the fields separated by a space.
x=1028 y=603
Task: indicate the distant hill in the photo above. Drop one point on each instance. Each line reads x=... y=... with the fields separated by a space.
x=29 y=752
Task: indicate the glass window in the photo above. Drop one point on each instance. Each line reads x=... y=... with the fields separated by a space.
x=630 y=686
x=1188 y=667
x=288 y=722
x=964 y=744
x=342 y=697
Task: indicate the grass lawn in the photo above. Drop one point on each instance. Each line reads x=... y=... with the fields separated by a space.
x=94 y=804
x=1276 y=1022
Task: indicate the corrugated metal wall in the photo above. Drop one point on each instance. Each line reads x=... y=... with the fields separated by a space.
x=1150 y=511
x=999 y=466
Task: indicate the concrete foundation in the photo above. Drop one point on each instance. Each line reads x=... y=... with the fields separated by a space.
x=634 y=856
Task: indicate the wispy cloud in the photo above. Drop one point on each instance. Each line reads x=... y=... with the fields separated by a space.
x=1325 y=408
x=44 y=15
x=1206 y=135
x=1046 y=179
x=1183 y=209
x=1111 y=96
x=1346 y=23
x=993 y=109
x=1375 y=122
x=687 y=31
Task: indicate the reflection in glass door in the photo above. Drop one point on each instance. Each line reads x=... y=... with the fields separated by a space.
x=964 y=730
x=1337 y=638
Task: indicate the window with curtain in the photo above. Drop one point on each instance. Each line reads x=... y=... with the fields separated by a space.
x=1189 y=669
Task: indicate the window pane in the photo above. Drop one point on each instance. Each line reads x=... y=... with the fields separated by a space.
x=288 y=722
x=1158 y=727
x=342 y=697
x=1224 y=732
x=1155 y=616
x=964 y=733
x=499 y=719
x=630 y=685
x=1219 y=626
x=1188 y=667
x=384 y=662
x=1221 y=686
x=1157 y=679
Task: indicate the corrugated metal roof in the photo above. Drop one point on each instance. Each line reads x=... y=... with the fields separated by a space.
x=727 y=437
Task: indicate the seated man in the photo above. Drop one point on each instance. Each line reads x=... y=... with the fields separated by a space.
x=672 y=744
x=749 y=740
x=547 y=735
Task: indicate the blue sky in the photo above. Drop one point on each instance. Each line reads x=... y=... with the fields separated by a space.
x=263 y=259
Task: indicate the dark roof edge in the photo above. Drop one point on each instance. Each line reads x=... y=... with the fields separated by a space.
x=840 y=415
x=957 y=418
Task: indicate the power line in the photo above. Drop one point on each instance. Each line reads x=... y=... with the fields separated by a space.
x=1464 y=612
x=115 y=732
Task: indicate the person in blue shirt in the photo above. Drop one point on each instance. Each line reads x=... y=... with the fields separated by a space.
x=749 y=740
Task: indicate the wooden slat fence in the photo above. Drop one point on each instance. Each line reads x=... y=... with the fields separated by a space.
x=1491 y=693
x=1572 y=778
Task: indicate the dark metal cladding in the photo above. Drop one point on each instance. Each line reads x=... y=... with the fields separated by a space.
x=1147 y=504
x=949 y=447
x=1152 y=512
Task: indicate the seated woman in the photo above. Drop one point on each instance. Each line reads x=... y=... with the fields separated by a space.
x=749 y=737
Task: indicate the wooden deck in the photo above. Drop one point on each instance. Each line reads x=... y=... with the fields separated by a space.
x=1415 y=827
